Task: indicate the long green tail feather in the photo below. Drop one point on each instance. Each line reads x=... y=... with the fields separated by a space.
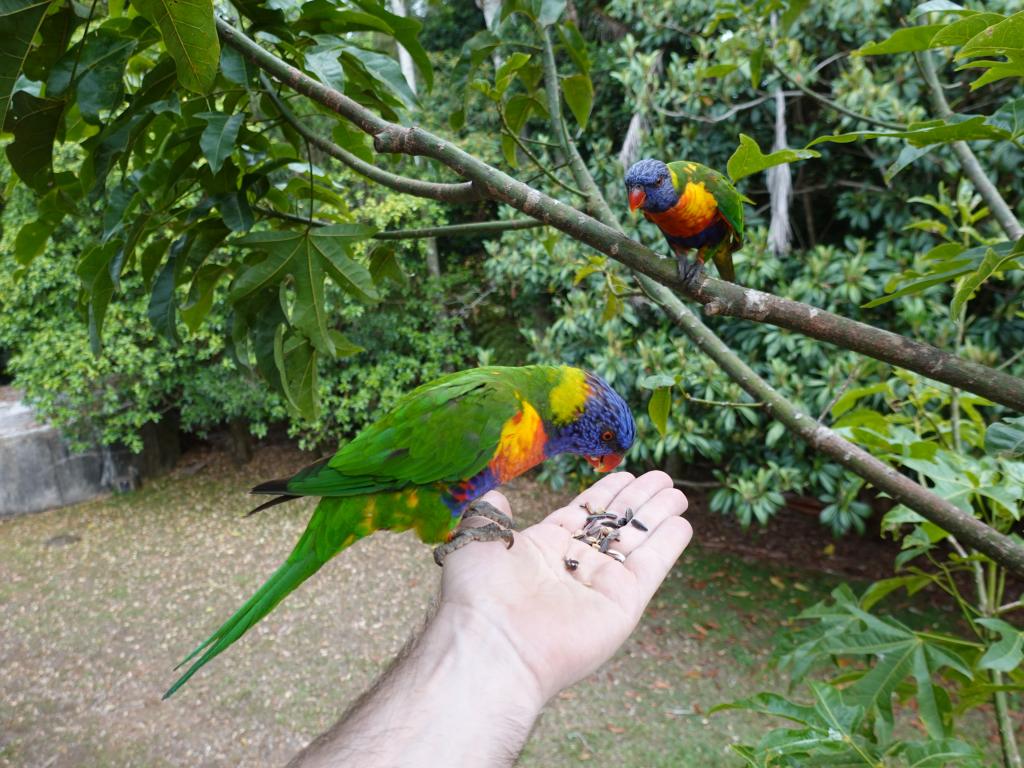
x=334 y=526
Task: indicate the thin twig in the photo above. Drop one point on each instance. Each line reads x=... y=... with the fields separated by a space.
x=721 y=403
x=839 y=107
x=968 y=160
x=533 y=158
x=839 y=393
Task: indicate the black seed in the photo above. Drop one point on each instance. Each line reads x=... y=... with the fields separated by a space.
x=637 y=524
x=571 y=565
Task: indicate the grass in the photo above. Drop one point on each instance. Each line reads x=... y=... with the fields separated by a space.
x=101 y=600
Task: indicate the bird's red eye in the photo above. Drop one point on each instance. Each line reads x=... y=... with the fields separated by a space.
x=607 y=435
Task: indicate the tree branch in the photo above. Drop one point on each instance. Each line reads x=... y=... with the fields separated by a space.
x=449 y=193
x=469 y=228
x=968 y=160
x=448 y=230
x=941 y=512
x=389 y=137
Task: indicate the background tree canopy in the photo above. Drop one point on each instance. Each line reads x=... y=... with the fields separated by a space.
x=184 y=231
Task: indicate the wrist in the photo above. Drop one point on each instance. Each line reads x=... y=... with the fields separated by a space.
x=480 y=651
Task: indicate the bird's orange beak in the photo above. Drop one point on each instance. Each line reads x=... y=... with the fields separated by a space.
x=636 y=197
x=605 y=463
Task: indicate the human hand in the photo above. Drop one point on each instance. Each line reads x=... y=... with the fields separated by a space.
x=561 y=625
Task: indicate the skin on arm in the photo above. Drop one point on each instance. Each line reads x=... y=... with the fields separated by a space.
x=512 y=628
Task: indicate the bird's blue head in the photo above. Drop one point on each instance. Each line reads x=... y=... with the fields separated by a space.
x=649 y=186
x=601 y=431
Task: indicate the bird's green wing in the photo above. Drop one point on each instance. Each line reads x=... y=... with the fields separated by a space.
x=445 y=431
x=730 y=201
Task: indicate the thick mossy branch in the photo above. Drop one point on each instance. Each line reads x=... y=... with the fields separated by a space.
x=657 y=273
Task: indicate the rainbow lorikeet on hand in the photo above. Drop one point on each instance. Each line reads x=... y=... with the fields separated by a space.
x=424 y=464
x=694 y=207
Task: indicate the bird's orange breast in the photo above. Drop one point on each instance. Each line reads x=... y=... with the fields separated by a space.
x=521 y=445
x=695 y=211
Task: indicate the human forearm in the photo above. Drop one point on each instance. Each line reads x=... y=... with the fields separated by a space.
x=460 y=696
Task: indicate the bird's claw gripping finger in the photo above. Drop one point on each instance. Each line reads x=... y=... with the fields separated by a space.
x=464 y=536
x=488 y=511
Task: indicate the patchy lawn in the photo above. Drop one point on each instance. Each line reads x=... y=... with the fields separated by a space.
x=101 y=600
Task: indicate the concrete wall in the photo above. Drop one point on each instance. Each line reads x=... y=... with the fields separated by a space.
x=37 y=471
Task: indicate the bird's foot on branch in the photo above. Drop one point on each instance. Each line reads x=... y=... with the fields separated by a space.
x=689 y=271
x=463 y=536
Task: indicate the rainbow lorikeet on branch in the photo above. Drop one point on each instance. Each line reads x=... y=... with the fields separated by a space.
x=694 y=207
x=425 y=463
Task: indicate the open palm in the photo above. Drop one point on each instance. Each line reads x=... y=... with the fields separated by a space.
x=565 y=623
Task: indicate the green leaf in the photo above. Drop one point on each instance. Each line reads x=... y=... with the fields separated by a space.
x=31 y=240
x=384 y=70
x=406 y=30
x=938 y=753
x=1006 y=437
x=324 y=63
x=550 y=11
x=958 y=128
x=793 y=10
x=656 y=381
x=34 y=123
x=101 y=69
x=1001 y=39
x=200 y=295
x=306 y=256
x=579 y=95
x=756 y=65
x=236 y=68
x=658 y=407
x=295 y=359
x=914 y=38
x=962 y=30
x=20 y=20
x=748 y=158
x=969 y=284
x=575 y=46
x=162 y=306
x=98 y=286
x=716 y=70
x=190 y=36
x=1006 y=655
x=218 y=138
x=908 y=155
x=1010 y=118
x=384 y=266
x=344 y=347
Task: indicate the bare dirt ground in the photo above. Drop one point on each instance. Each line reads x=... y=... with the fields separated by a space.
x=101 y=600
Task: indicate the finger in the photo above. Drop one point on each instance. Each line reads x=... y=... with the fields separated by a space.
x=666 y=503
x=493 y=498
x=654 y=558
x=639 y=492
x=597 y=496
